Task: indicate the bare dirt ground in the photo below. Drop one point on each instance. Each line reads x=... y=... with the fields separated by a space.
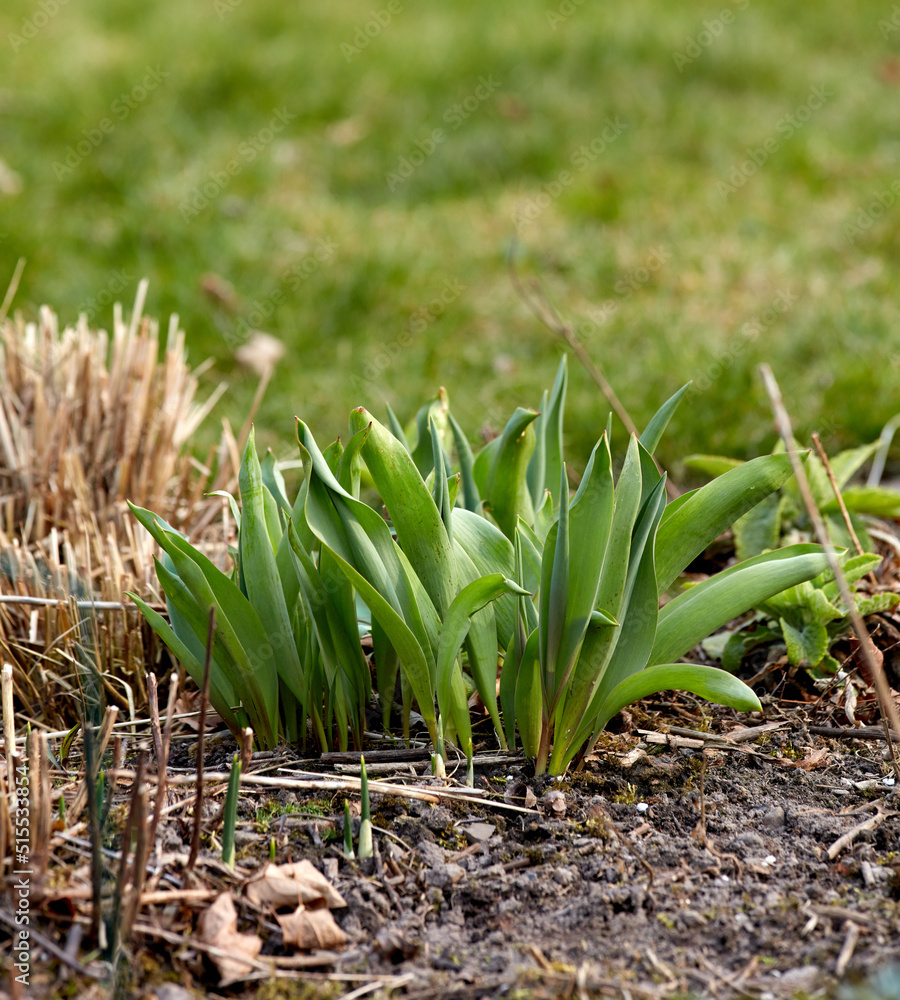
x=672 y=865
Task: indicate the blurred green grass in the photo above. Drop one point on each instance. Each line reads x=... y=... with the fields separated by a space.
x=360 y=325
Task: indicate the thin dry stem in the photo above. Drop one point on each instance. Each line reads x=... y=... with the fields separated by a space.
x=204 y=695
x=889 y=714
x=845 y=514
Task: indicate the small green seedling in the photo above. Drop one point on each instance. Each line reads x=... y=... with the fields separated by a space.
x=230 y=814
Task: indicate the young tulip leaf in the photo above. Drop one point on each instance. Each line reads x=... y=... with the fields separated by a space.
x=660 y=420
x=699 y=611
x=505 y=492
x=707 y=682
x=684 y=534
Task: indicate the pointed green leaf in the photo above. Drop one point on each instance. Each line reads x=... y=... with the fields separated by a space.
x=471 y=498
x=505 y=492
x=712 y=509
x=714 y=685
x=699 y=611
x=470 y=600
x=420 y=531
x=660 y=421
x=529 y=699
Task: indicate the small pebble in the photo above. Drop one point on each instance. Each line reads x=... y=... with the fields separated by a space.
x=642 y=807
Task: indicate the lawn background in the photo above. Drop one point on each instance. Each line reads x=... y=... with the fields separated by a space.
x=815 y=227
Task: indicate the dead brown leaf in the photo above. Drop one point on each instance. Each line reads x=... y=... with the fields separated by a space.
x=311 y=929
x=812 y=759
x=290 y=884
x=217 y=926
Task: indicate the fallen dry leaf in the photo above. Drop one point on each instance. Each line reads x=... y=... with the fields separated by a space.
x=311 y=929
x=290 y=884
x=811 y=759
x=217 y=926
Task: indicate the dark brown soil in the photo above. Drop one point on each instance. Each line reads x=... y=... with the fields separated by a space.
x=669 y=872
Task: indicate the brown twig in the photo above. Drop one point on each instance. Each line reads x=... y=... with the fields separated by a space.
x=246 y=749
x=889 y=714
x=542 y=309
x=155 y=730
x=162 y=769
x=12 y=288
x=204 y=695
x=141 y=855
x=845 y=514
x=93 y=971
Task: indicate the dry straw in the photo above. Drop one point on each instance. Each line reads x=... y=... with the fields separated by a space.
x=88 y=419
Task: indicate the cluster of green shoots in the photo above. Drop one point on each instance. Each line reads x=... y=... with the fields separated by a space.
x=487 y=575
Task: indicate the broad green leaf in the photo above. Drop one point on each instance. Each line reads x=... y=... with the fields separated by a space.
x=505 y=493
x=877 y=501
x=529 y=698
x=854 y=567
x=471 y=498
x=545 y=463
x=481 y=639
x=627 y=505
x=543 y=517
x=846 y=464
x=809 y=643
x=699 y=611
x=420 y=530
x=441 y=492
x=590 y=518
x=876 y=604
x=660 y=420
x=452 y=700
x=219 y=699
x=712 y=509
x=491 y=552
x=377 y=568
x=260 y=571
x=714 y=685
x=192 y=585
x=351 y=463
x=396 y=427
x=261 y=705
x=274 y=481
x=712 y=465
x=537 y=464
x=386 y=666
x=332 y=455
x=759 y=529
x=434 y=411
x=608 y=656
